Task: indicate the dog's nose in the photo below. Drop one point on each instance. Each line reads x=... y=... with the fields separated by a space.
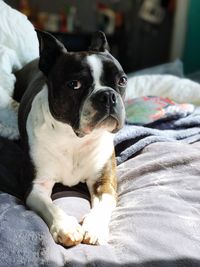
x=108 y=98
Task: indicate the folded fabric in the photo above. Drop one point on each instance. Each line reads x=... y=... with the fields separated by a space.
x=132 y=139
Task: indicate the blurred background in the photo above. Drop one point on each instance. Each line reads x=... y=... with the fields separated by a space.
x=141 y=33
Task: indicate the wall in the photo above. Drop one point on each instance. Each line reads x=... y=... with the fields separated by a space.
x=179 y=29
x=139 y=44
x=86 y=9
x=191 y=55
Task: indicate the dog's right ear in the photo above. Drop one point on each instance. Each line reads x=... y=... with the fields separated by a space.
x=99 y=42
x=50 y=49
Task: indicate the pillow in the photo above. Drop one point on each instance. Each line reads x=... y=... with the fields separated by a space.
x=178 y=89
x=18 y=46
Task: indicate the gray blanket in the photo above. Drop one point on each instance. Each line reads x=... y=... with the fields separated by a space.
x=156 y=222
x=132 y=139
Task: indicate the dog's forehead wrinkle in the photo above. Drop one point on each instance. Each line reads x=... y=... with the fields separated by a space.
x=96 y=67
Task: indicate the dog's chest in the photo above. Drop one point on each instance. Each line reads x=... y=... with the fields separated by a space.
x=77 y=160
x=60 y=155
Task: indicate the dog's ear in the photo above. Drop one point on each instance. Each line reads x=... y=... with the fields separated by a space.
x=50 y=49
x=99 y=42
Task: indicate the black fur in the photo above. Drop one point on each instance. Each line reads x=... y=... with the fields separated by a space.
x=99 y=42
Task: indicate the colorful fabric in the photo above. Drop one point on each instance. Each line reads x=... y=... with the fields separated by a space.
x=146 y=110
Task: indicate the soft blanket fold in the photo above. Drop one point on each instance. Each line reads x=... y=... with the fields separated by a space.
x=132 y=139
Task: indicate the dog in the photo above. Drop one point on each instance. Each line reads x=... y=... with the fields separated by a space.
x=71 y=106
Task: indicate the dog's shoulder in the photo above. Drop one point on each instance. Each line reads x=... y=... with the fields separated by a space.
x=29 y=82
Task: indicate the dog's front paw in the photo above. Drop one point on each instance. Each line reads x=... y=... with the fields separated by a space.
x=67 y=231
x=96 y=230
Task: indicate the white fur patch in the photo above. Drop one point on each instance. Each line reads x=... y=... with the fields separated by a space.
x=96 y=68
x=58 y=154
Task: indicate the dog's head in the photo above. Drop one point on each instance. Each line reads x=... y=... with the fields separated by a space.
x=86 y=89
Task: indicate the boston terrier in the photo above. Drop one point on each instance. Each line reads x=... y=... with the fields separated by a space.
x=72 y=105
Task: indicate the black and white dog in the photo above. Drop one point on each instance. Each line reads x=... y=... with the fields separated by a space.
x=71 y=107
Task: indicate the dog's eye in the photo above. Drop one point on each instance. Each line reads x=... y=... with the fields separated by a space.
x=122 y=81
x=74 y=84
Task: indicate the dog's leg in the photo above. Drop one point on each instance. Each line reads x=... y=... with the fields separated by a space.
x=64 y=229
x=103 y=196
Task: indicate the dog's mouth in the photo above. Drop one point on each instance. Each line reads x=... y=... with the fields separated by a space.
x=108 y=123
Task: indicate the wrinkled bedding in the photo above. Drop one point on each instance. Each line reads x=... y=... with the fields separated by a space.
x=156 y=222
x=181 y=124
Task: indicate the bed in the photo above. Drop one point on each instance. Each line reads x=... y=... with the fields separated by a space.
x=157 y=218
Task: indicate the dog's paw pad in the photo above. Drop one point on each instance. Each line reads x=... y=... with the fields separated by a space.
x=94 y=239
x=67 y=231
x=96 y=232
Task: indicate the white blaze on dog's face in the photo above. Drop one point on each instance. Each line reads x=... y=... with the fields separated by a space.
x=87 y=88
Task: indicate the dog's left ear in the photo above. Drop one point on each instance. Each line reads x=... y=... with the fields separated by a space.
x=99 y=42
x=50 y=49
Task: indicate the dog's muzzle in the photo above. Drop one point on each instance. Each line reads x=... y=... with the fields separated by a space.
x=103 y=109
